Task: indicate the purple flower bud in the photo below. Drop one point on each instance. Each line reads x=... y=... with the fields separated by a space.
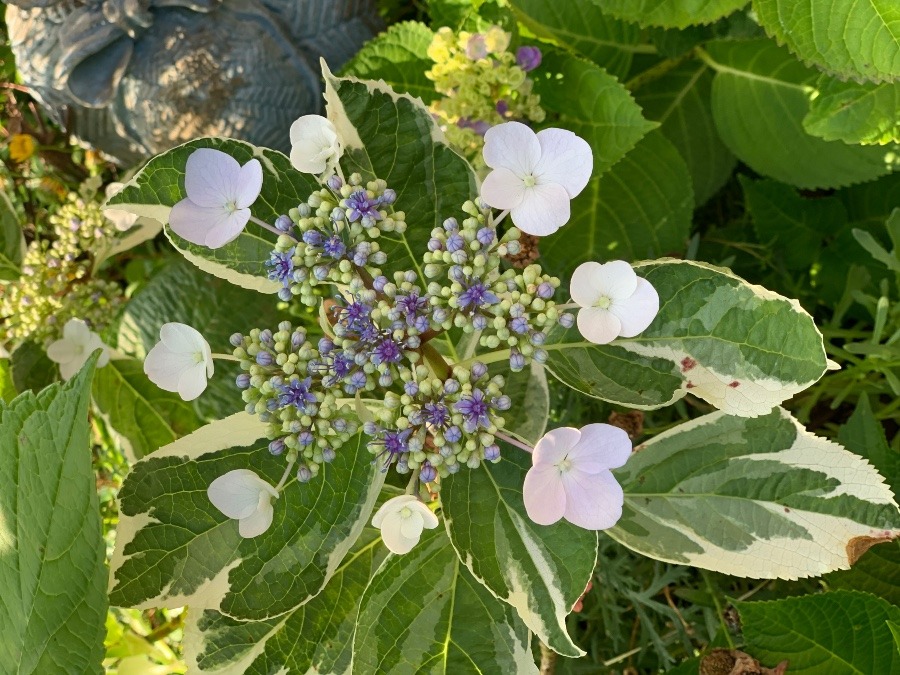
x=339 y=425
x=540 y=355
x=312 y=238
x=453 y=468
x=502 y=108
x=276 y=447
x=479 y=370
x=566 y=320
x=453 y=434
x=519 y=325
x=455 y=242
x=485 y=236
x=335 y=183
x=337 y=214
x=265 y=337
x=451 y=387
x=242 y=381
x=545 y=290
x=538 y=338
x=305 y=438
x=328 y=455
x=320 y=272
x=389 y=196
x=502 y=402
x=264 y=358
x=439 y=315
x=451 y=225
x=456 y=274
x=236 y=339
x=370 y=428
x=427 y=473
x=528 y=57
x=303 y=474
x=492 y=453
x=284 y=294
x=379 y=282
x=435 y=244
x=479 y=322
x=325 y=346
x=411 y=388
x=284 y=224
x=516 y=361
x=297 y=338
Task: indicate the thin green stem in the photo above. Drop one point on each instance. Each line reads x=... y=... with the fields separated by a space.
x=225 y=357
x=284 y=476
x=268 y=227
x=490 y=357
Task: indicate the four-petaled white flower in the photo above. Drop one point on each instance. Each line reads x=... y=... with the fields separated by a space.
x=614 y=301
x=123 y=220
x=77 y=344
x=314 y=145
x=181 y=362
x=244 y=496
x=535 y=174
x=401 y=521
x=570 y=476
x=219 y=194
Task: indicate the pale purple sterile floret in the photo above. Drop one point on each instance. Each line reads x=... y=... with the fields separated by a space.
x=528 y=58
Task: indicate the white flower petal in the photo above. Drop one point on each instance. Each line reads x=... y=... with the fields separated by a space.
x=637 y=312
x=236 y=493
x=95 y=343
x=411 y=527
x=616 y=280
x=544 y=496
x=601 y=447
x=164 y=367
x=179 y=337
x=211 y=177
x=390 y=506
x=258 y=522
x=121 y=220
x=566 y=159
x=554 y=445
x=76 y=331
x=193 y=222
x=62 y=351
x=544 y=209
x=584 y=286
x=502 y=189
x=429 y=519
x=314 y=144
x=512 y=146
x=192 y=382
x=593 y=501
x=599 y=326
x=392 y=536
x=250 y=180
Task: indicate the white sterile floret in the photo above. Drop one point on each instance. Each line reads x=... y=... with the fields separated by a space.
x=180 y=362
x=123 y=220
x=77 y=344
x=614 y=301
x=219 y=194
x=401 y=521
x=244 y=496
x=570 y=476
x=535 y=175
x=314 y=145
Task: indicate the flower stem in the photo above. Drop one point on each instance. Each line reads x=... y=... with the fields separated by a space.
x=499 y=219
x=413 y=486
x=514 y=441
x=225 y=357
x=568 y=305
x=284 y=477
x=268 y=227
x=440 y=367
x=490 y=357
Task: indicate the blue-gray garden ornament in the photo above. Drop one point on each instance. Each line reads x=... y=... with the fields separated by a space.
x=135 y=77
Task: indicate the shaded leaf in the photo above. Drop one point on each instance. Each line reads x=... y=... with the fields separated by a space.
x=670 y=13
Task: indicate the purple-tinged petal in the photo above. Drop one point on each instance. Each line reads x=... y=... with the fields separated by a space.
x=210 y=177
x=601 y=447
x=554 y=446
x=249 y=184
x=593 y=501
x=544 y=495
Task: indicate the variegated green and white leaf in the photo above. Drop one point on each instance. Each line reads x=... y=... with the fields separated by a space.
x=393 y=137
x=759 y=498
x=530 y=395
x=175 y=548
x=740 y=347
x=424 y=612
x=315 y=637
x=540 y=571
x=157 y=187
